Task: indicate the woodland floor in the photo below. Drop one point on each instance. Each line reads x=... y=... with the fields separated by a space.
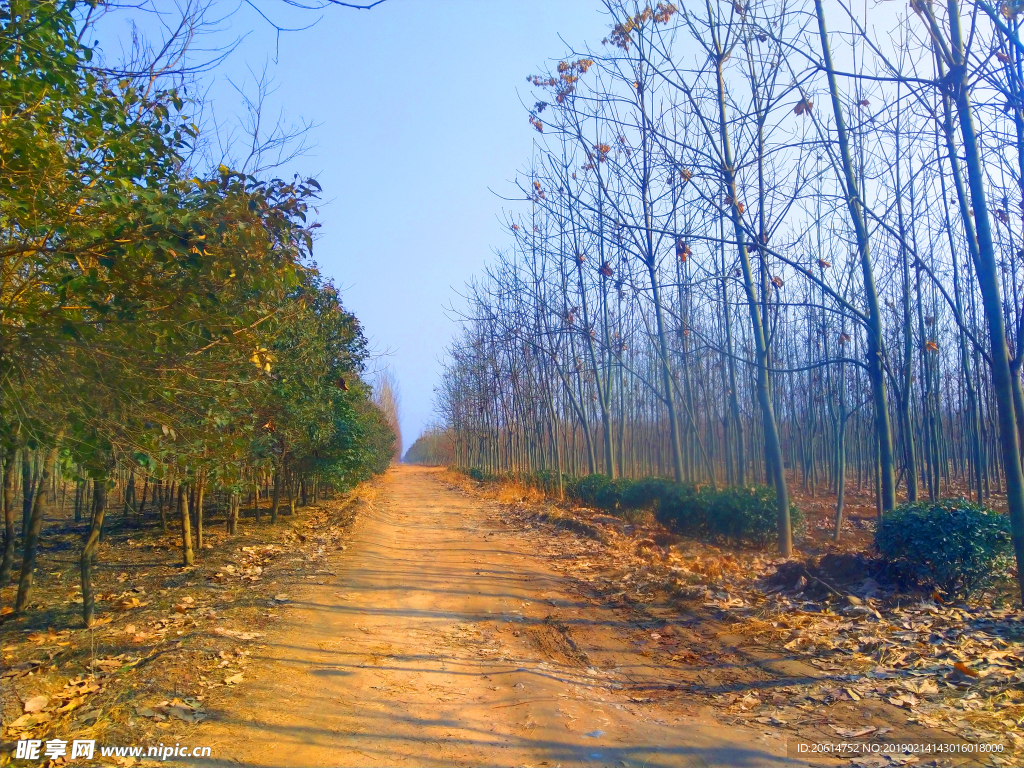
x=430 y=621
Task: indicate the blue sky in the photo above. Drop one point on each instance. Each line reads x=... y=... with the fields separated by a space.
x=418 y=113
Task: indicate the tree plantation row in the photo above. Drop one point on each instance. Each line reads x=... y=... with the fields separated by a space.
x=764 y=242
x=166 y=342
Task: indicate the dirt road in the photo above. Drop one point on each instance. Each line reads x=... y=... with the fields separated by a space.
x=443 y=640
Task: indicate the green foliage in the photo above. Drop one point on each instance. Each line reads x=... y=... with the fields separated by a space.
x=154 y=315
x=683 y=509
x=645 y=494
x=747 y=514
x=952 y=544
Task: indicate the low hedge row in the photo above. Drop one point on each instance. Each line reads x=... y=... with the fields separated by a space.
x=743 y=515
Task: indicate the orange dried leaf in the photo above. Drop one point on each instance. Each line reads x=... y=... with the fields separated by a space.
x=964 y=669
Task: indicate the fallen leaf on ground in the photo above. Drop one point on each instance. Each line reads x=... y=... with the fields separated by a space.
x=853 y=733
x=964 y=669
x=73 y=704
x=28 y=721
x=222 y=632
x=36 y=704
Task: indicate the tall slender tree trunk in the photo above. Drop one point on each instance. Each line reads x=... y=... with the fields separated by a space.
x=988 y=282
x=142 y=504
x=233 y=505
x=92 y=545
x=188 y=556
x=10 y=456
x=28 y=486
x=875 y=338
x=276 y=500
x=35 y=527
x=200 y=495
x=772 y=443
x=166 y=494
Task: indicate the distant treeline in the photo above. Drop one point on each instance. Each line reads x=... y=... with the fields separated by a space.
x=435 y=447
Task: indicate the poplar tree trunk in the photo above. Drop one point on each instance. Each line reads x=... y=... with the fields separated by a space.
x=200 y=494
x=142 y=504
x=166 y=494
x=276 y=500
x=188 y=556
x=772 y=444
x=129 y=495
x=35 y=526
x=92 y=545
x=988 y=283
x=233 y=505
x=79 y=499
x=28 y=486
x=876 y=372
x=10 y=456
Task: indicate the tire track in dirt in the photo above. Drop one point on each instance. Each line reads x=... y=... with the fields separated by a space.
x=443 y=640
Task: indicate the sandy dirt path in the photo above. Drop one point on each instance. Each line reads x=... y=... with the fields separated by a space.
x=443 y=640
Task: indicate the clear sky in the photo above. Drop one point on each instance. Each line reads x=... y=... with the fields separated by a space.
x=419 y=114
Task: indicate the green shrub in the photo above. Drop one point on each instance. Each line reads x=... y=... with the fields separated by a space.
x=681 y=508
x=644 y=494
x=743 y=514
x=609 y=495
x=590 y=488
x=951 y=544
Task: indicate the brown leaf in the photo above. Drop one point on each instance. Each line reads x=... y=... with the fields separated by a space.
x=178 y=713
x=36 y=704
x=30 y=721
x=73 y=704
x=964 y=669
